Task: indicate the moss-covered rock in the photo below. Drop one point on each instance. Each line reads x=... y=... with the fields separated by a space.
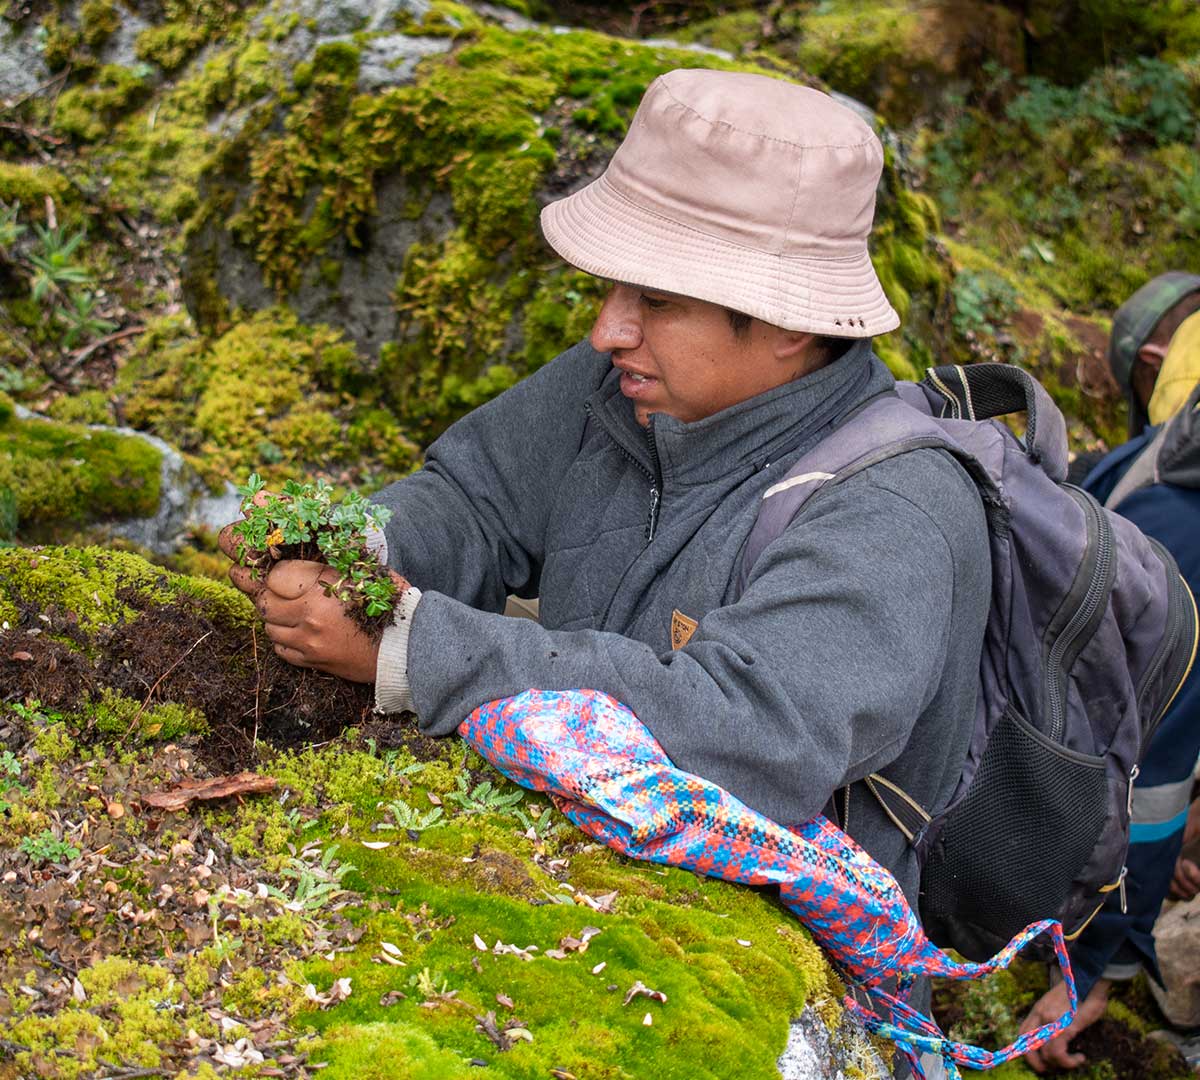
x=407 y=214
x=102 y=588
x=68 y=474
x=270 y=394
x=900 y=57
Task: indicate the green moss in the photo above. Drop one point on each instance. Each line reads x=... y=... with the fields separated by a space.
x=54 y=743
x=31 y=185
x=728 y=1003
x=266 y=395
x=64 y=473
x=850 y=45
x=115 y=714
x=98 y=21
x=560 y=312
x=734 y=32
x=186 y=26
x=88 y=113
x=86 y=581
x=88 y=407
x=60 y=42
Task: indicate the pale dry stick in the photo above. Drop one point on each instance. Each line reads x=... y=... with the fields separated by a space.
x=142 y=708
x=9 y=106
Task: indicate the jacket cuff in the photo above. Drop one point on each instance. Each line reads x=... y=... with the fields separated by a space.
x=376 y=540
x=393 y=693
x=1121 y=972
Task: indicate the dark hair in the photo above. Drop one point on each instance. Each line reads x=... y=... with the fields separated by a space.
x=824 y=348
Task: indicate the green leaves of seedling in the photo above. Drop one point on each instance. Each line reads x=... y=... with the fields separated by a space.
x=303 y=522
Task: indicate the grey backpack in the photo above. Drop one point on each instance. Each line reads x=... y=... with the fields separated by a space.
x=1091 y=633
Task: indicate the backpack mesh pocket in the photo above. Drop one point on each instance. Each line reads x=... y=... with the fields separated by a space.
x=1037 y=810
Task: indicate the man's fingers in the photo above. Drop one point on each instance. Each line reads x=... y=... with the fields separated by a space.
x=1033 y=1058
x=293 y=656
x=230 y=544
x=276 y=611
x=243 y=578
x=292 y=578
x=289 y=636
x=1061 y=1057
x=1185 y=883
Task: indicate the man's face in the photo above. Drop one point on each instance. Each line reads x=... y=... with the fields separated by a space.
x=681 y=357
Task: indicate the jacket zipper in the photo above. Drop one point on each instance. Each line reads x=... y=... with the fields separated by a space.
x=651 y=475
x=655 y=494
x=1085 y=618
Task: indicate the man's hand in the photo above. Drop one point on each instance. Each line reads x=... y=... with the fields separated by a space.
x=1186 y=883
x=1056 y=1054
x=307 y=626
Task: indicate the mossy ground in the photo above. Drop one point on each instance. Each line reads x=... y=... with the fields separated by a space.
x=373 y=837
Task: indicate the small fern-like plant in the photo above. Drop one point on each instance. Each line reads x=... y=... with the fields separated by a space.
x=303 y=522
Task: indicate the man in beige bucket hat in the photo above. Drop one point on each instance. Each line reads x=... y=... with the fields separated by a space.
x=619 y=483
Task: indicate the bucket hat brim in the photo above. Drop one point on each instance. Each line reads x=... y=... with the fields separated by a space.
x=601 y=231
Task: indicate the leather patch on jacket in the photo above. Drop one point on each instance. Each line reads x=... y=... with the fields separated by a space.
x=682 y=629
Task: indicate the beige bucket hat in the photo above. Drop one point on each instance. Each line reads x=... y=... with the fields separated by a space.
x=743 y=190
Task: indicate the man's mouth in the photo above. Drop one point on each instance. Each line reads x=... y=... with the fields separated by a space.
x=634 y=384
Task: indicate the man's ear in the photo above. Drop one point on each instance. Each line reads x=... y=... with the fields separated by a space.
x=1152 y=356
x=789 y=344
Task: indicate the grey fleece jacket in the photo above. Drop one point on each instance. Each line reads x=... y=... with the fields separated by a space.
x=855 y=647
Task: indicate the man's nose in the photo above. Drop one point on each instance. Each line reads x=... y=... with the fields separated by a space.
x=619 y=324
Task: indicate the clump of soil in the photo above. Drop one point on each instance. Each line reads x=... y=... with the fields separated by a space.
x=177 y=653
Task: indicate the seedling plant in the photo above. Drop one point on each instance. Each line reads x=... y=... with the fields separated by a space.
x=303 y=522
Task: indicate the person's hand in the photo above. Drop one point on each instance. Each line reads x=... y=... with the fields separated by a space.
x=1056 y=1054
x=1185 y=885
x=306 y=625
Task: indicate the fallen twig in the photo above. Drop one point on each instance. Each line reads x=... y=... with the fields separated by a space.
x=82 y=354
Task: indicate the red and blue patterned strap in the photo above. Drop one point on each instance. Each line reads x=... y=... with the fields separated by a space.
x=607 y=773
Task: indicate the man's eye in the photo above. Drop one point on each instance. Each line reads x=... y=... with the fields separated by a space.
x=653 y=302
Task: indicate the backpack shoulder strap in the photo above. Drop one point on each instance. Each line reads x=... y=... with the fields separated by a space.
x=885 y=427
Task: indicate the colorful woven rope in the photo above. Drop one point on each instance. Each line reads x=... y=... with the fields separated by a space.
x=607 y=773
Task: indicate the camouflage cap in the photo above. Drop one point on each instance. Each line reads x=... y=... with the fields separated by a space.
x=1134 y=322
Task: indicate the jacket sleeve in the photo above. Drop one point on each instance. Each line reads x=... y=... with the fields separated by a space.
x=813 y=678
x=1117 y=943
x=473 y=531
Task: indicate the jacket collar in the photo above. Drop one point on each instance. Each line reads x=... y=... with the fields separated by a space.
x=750 y=435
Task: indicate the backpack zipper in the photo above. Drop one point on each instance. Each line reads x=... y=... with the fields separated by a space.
x=1179 y=606
x=1086 y=617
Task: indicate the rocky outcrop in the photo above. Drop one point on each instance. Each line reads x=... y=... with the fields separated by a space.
x=399 y=202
